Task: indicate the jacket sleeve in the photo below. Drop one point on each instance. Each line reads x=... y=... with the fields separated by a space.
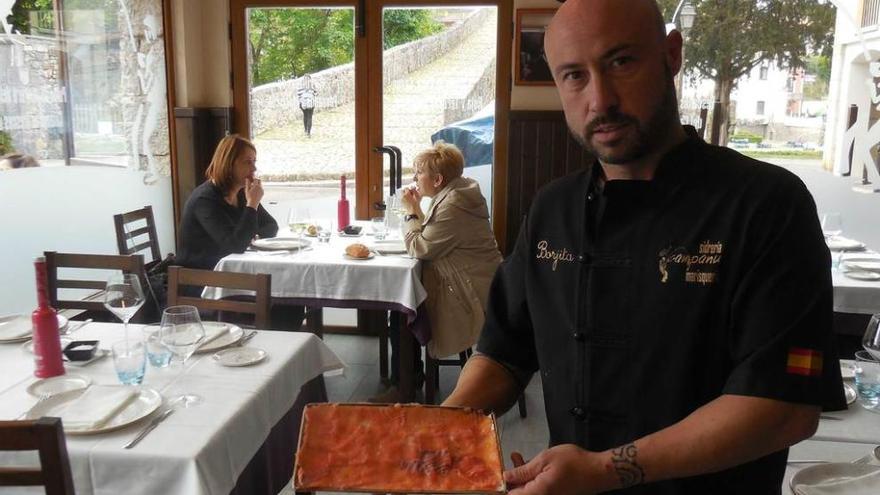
x=438 y=237
x=267 y=226
x=229 y=235
x=508 y=335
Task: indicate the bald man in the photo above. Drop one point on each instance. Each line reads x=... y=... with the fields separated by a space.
x=675 y=297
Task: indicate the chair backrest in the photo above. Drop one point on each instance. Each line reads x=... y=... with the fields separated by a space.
x=260 y=283
x=94 y=285
x=136 y=233
x=46 y=436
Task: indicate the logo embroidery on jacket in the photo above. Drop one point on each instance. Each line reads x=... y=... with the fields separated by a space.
x=699 y=268
x=545 y=253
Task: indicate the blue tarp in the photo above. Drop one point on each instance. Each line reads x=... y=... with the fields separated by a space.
x=474 y=136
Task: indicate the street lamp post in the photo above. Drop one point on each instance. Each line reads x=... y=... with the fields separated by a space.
x=686 y=14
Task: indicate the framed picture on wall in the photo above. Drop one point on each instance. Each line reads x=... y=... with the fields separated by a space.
x=531 y=65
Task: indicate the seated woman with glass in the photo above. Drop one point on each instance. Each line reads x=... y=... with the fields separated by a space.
x=223 y=214
x=455 y=241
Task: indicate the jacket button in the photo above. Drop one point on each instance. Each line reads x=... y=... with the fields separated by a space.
x=590 y=197
x=578 y=336
x=578 y=413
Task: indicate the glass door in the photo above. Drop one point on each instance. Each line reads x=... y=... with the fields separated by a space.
x=442 y=85
x=296 y=65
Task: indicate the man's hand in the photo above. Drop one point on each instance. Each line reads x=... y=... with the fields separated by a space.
x=561 y=470
x=253 y=192
x=411 y=200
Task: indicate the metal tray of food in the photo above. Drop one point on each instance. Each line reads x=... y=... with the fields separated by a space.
x=400 y=448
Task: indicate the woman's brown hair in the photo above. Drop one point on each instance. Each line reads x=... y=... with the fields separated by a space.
x=220 y=170
x=442 y=158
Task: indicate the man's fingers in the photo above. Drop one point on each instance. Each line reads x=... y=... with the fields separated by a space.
x=522 y=474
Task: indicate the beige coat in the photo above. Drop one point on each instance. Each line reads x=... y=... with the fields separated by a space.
x=459 y=253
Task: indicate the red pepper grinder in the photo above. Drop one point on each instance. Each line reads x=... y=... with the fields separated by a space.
x=47 y=341
x=342 y=220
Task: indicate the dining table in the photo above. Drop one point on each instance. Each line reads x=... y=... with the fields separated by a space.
x=842 y=436
x=240 y=438
x=321 y=275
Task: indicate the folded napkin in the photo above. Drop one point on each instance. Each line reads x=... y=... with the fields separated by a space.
x=213 y=330
x=16 y=328
x=867 y=484
x=97 y=405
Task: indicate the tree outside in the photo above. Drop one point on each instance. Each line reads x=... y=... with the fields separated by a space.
x=731 y=37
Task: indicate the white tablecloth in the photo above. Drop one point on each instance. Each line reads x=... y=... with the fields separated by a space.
x=322 y=272
x=855 y=296
x=197 y=450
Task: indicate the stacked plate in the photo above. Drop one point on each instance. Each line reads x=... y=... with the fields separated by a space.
x=17 y=328
x=861 y=267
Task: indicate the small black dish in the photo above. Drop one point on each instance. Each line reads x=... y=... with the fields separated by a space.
x=81 y=350
x=352 y=230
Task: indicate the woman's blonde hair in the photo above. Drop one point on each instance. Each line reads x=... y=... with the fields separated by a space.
x=442 y=158
x=220 y=169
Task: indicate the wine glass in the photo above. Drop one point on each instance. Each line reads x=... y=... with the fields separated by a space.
x=181 y=332
x=871 y=340
x=832 y=225
x=123 y=297
x=298 y=221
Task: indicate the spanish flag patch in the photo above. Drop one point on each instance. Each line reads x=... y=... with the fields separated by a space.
x=806 y=362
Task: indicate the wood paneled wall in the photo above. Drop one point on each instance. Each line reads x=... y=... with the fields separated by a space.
x=541 y=149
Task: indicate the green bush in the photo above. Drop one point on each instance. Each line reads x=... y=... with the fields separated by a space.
x=753 y=138
x=5 y=143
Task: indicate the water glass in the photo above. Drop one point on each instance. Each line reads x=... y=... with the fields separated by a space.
x=867 y=374
x=832 y=224
x=129 y=360
x=182 y=333
x=871 y=339
x=157 y=354
x=378 y=226
x=325 y=229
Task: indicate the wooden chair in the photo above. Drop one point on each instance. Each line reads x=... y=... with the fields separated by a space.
x=130 y=229
x=260 y=283
x=92 y=303
x=432 y=377
x=46 y=436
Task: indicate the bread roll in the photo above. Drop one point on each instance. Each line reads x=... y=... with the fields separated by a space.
x=312 y=230
x=357 y=251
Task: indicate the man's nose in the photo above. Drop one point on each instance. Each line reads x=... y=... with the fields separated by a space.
x=601 y=95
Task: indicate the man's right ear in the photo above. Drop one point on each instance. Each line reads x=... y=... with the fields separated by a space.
x=673 y=44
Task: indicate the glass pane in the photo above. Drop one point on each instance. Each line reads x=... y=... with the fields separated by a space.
x=85 y=85
x=439 y=83
x=301 y=89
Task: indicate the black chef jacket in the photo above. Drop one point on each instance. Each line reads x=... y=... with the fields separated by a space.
x=641 y=301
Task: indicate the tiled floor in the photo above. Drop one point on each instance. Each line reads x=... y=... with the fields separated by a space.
x=361 y=381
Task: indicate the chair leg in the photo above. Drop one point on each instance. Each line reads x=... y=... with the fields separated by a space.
x=383 y=353
x=462 y=358
x=432 y=379
x=522 y=406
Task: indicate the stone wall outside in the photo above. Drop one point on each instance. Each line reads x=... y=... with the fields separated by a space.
x=275 y=104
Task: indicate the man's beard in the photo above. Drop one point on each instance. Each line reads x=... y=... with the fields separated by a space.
x=646 y=137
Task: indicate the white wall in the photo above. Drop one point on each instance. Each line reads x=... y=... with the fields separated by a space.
x=68 y=209
x=752 y=89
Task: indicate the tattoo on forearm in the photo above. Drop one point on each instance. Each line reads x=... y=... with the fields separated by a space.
x=628 y=470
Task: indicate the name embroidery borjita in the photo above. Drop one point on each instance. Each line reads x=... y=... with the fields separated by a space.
x=545 y=253
x=701 y=268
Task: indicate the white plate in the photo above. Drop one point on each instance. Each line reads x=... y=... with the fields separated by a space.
x=389 y=247
x=62 y=324
x=232 y=335
x=850 y=392
x=862 y=275
x=29 y=345
x=240 y=356
x=829 y=473
x=343 y=234
x=843 y=244
x=863 y=264
x=369 y=257
x=847 y=370
x=58 y=384
x=147 y=401
x=280 y=243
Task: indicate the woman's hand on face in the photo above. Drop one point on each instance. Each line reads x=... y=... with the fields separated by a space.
x=253 y=192
x=411 y=200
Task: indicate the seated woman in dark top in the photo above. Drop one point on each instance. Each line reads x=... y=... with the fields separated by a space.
x=223 y=214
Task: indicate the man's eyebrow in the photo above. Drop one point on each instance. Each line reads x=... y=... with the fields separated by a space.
x=611 y=53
